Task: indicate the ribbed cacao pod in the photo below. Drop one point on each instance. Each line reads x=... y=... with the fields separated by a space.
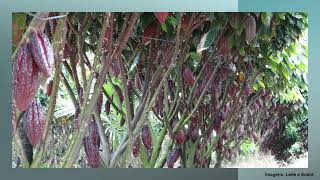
x=149 y=32
x=250 y=28
x=136 y=147
x=180 y=137
x=187 y=76
x=91 y=142
x=42 y=52
x=161 y=16
x=185 y=22
x=173 y=156
x=35 y=120
x=26 y=78
x=137 y=82
x=146 y=137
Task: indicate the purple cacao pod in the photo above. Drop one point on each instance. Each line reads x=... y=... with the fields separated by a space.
x=91 y=142
x=26 y=78
x=188 y=76
x=180 y=137
x=149 y=32
x=34 y=122
x=146 y=137
x=136 y=147
x=42 y=52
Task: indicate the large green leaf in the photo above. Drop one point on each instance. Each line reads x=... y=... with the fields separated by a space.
x=207 y=39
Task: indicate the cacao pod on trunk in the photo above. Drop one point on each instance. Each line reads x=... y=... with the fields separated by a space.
x=136 y=147
x=26 y=78
x=187 y=76
x=180 y=137
x=91 y=142
x=42 y=52
x=250 y=28
x=149 y=32
x=146 y=137
x=35 y=121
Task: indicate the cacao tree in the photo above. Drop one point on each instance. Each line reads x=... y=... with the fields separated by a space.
x=154 y=89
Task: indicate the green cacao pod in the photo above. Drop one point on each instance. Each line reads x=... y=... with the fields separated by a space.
x=26 y=78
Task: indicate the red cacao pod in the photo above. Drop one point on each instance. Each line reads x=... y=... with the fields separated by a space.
x=136 y=147
x=42 y=52
x=149 y=32
x=161 y=16
x=26 y=78
x=35 y=120
x=146 y=137
x=188 y=76
x=180 y=137
x=185 y=22
x=91 y=142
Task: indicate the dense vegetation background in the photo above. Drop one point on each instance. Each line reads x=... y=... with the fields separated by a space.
x=167 y=89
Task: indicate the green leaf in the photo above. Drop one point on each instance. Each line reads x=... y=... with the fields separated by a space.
x=20 y=18
x=164 y=27
x=266 y=18
x=261 y=84
x=207 y=39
